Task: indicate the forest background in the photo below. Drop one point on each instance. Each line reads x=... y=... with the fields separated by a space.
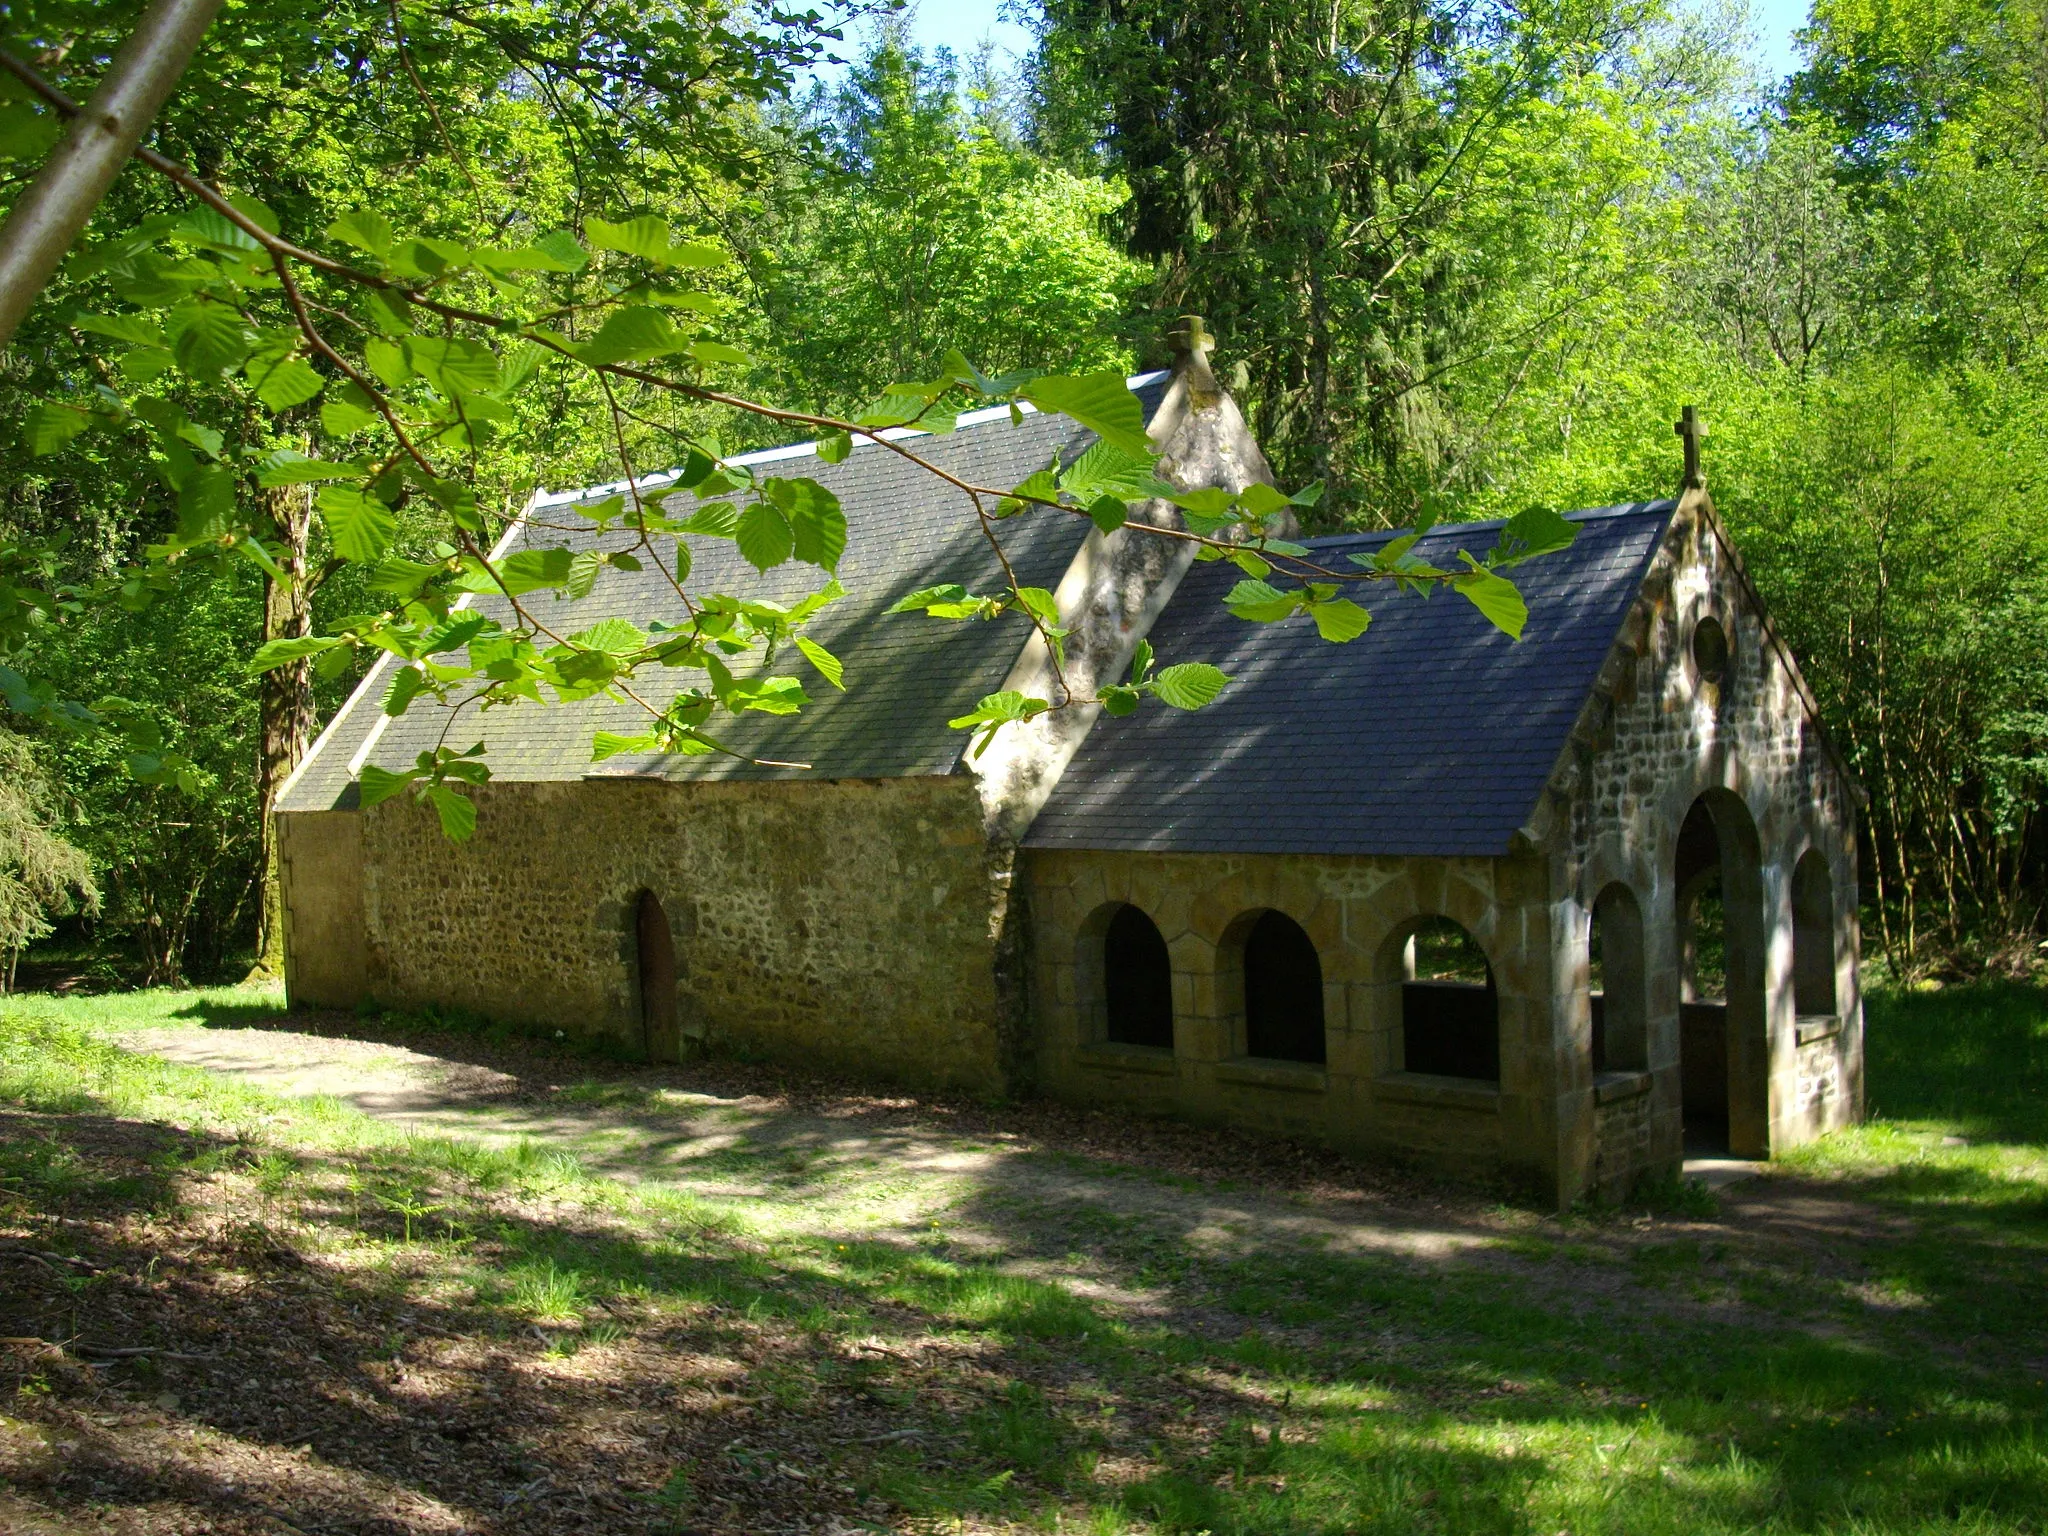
x=1460 y=260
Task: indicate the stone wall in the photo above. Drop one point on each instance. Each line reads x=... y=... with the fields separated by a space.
x=852 y=926
x=1657 y=737
x=1359 y=913
x=320 y=855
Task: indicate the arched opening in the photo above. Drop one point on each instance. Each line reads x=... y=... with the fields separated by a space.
x=655 y=961
x=1450 y=1008
x=1137 y=981
x=1722 y=1024
x=1621 y=1036
x=1813 y=936
x=1283 y=991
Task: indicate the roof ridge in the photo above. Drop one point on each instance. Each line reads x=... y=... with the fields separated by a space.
x=807 y=449
x=1662 y=506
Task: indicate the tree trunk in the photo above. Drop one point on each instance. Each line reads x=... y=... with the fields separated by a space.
x=286 y=707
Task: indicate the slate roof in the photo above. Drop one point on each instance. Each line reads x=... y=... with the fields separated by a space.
x=906 y=674
x=1432 y=734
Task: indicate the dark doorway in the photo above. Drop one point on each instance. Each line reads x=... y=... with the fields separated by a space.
x=1137 y=981
x=1702 y=984
x=1723 y=1013
x=1450 y=1012
x=655 y=947
x=1283 y=992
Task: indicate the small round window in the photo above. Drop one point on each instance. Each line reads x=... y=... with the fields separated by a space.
x=1710 y=649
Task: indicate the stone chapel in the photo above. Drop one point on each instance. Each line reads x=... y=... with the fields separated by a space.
x=1552 y=910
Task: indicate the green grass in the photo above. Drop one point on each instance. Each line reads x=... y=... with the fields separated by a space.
x=1582 y=1375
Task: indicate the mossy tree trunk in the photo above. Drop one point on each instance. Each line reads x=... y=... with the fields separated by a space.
x=286 y=706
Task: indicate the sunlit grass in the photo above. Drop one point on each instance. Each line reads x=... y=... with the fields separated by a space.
x=1580 y=1379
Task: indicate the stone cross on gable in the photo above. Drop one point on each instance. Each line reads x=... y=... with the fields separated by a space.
x=1191 y=334
x=1692 y=430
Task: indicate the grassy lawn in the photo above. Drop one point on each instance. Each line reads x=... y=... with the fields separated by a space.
x=355 y=1327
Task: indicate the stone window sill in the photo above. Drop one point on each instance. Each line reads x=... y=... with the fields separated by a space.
x=1438 y=1092
x=1105 y=1056
x=1290 y=1076
x=1609 y=1087
x=1816 y=1026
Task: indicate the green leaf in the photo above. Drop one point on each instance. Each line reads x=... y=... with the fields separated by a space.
x=408 y=685
x=376 y=785
x=284 y=382
x=611 y=744
x=833 y=447
x=279 y=653
x=815 y=518
x=1105 y=469
x=1535 y=531
x=1339 y=619
x=1000 y=708
x=630 y=335
x=529 y=258
x=454 y=633
x=695 y=253
x=1190 y=685
x=583 y=569
x=530 y=570
x=207 y=339
x=360 y=525
x=344 y=418
x=256 y=211
x=1108 y=513
x=25 y=133
x=287 y=468
x=206 y=501
x=764 y=535
x=453 y=366
x=457 y=812
x=900 y=408
x=139 y=329
x=365 y=229
x=48 y=427
x=948 y=600
x=1494 y=596
x=1249 y=562
x=426 y=258
x=389 y=312
x=615 y=637
x=387 y=360
x=646 y=237
x=1261 y=603
x=1118 y=699
x=210 y=227
x=1101 y=402
x=1141 y=662
x=768 y=696
x=830 y=667
x=561 y=245
x=1262 y=500
x=995 y=711
x=709 y=352
x=716 y=519
x=145 y=364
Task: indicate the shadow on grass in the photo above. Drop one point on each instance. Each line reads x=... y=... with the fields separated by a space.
x=516 y=1358
x=1974 y=1055
x=542 y=1364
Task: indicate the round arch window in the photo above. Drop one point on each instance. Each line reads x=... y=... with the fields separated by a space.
x=1710 y=649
